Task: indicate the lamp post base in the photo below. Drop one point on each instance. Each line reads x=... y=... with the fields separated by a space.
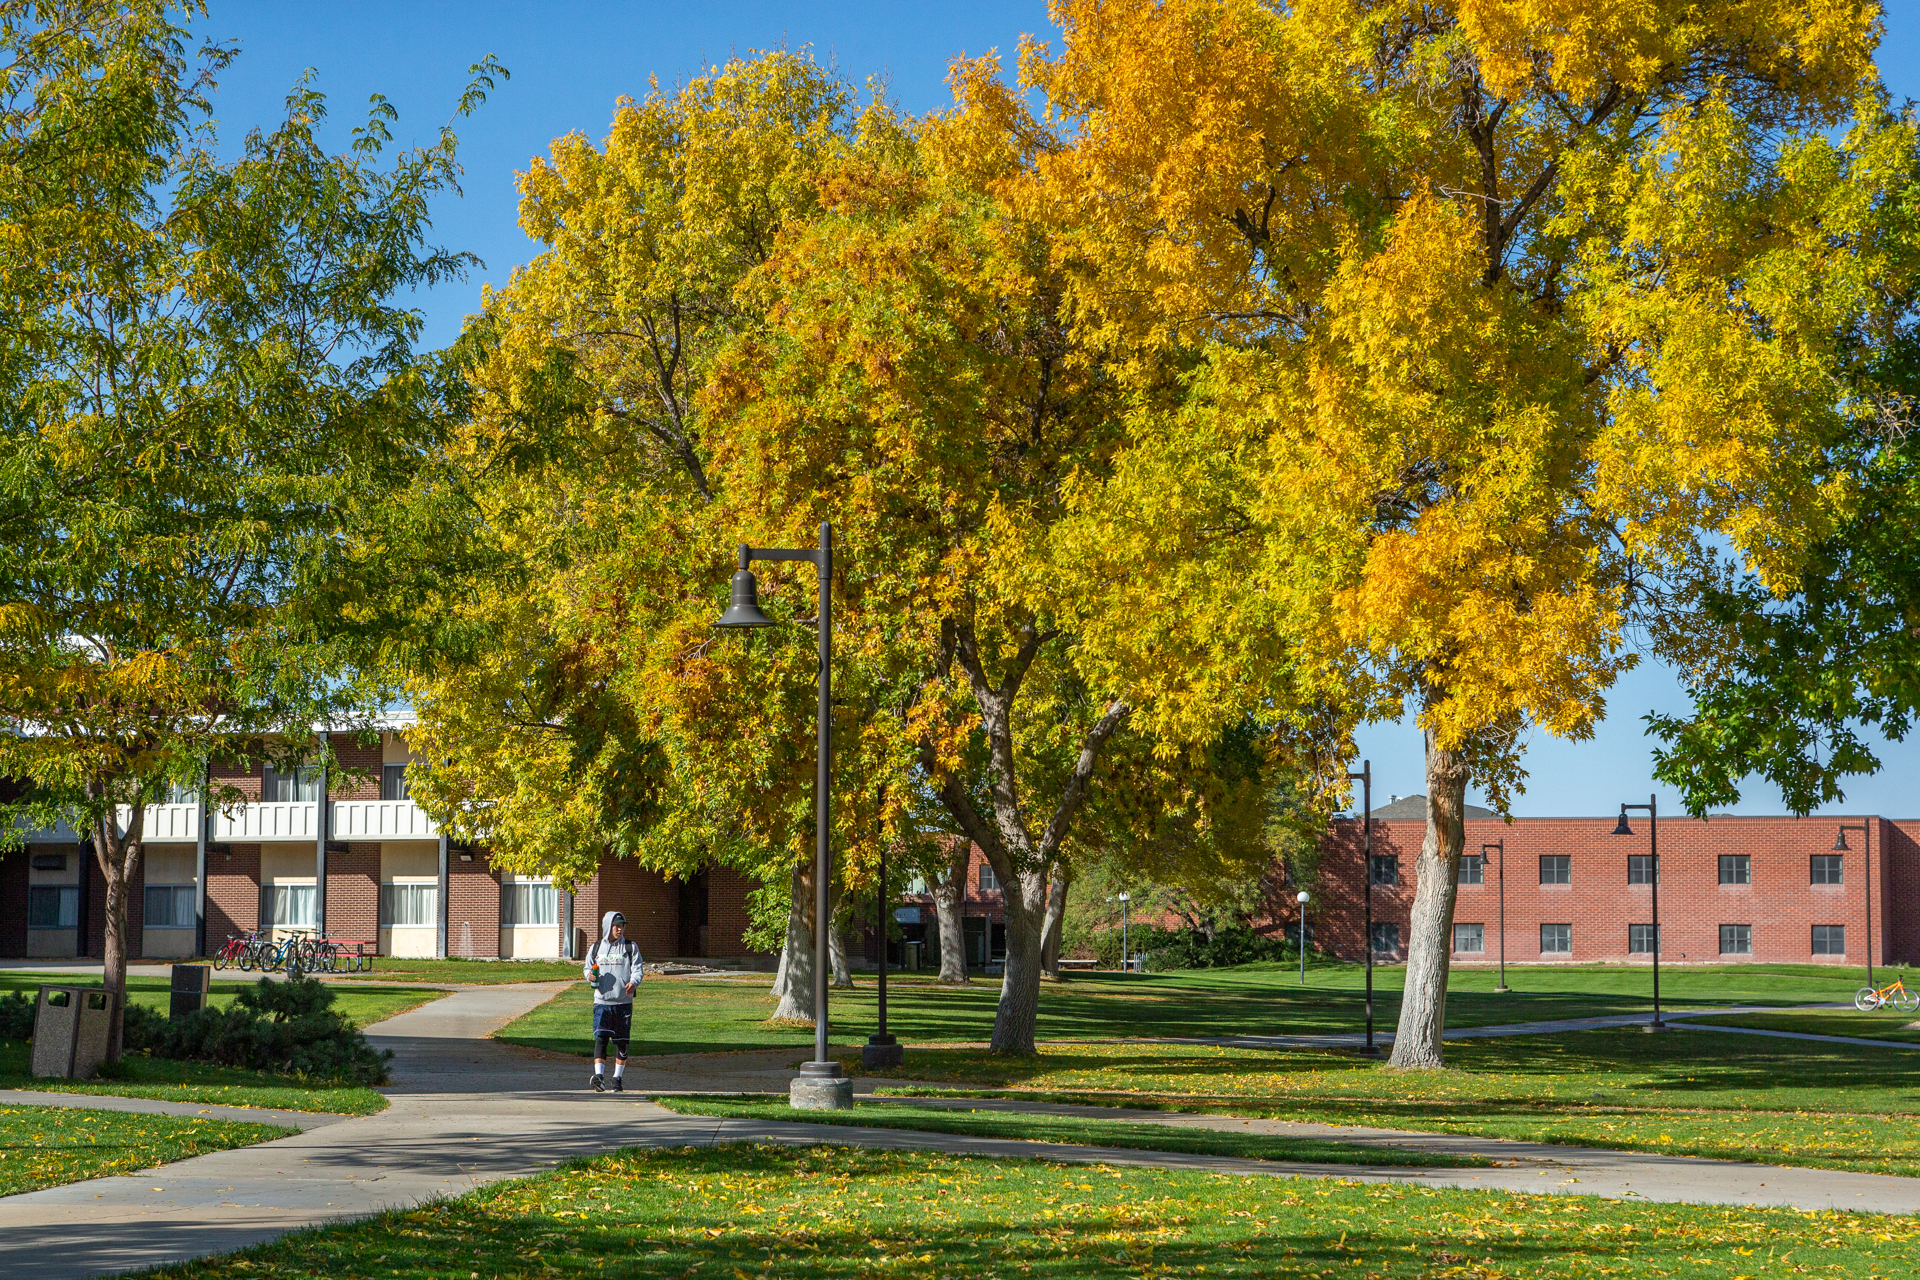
x=882 y=1051
x=1656 y=1027
x=821 y=1086
x=1371 y=1051
x=1502 y=989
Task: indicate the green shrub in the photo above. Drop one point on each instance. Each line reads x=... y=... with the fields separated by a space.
x=16 y=1016
x=1167 y=949
x=286 y=1027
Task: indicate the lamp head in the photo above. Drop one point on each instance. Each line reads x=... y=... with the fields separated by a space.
x=1301 y=897
x=1621 y=828
x=1840 y=845
x=744 y=608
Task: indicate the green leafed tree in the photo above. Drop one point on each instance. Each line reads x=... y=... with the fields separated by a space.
x=207 y=393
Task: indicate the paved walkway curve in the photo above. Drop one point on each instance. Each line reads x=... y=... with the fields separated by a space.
x=467 y=1110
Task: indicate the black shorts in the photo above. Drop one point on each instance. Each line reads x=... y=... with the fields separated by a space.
x=612 y=1022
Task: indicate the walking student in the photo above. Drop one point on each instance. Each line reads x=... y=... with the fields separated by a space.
x=615 y=969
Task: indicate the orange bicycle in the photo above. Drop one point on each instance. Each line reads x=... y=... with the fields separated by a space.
x=1895 y=993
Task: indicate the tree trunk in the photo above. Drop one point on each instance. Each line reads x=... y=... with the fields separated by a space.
x=1014 y=1023
x=949 y=898
x=837 y=944
x=1055 y=921
x=1423 y=1003
x=119 y=858
x=793 y=984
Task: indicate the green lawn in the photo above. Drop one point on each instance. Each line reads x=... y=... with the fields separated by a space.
x=362 y=1006
x=1878 y=1025
x=742 y=1212
x=704 y=1015
x=479 y=973
x=46 y=1146
x=1070 y=1129
x=1688 y=1093
x=138 y=1076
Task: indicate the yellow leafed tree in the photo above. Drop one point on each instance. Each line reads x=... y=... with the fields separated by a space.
x=1495 y=325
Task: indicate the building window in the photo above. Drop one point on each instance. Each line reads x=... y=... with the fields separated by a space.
x=287 y=906
x=1469 y=937
x=1825 y=868
x=1639 y=868
x=1642 y=939
x=52 y=906
x=1736 y=939
x=393 y=782
x=528 y=904
x=1386 y=939
x=1385 y=868
x=1556 y=939
x=409 y=906
x=1736 y=868
x=1556 y=868
x=1473 y=869
x=180 y=793
x=168 y=906
x=289 y=786
x=1829 y=939
x=989 y=882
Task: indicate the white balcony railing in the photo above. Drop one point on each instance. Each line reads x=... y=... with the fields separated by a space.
x=269 y=823
x=382 y=820
x=280 y=822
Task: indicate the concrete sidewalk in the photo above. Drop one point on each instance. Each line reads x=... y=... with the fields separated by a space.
x=467 y=1110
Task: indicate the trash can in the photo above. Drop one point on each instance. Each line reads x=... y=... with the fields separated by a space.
x=70 y=1027
x=910 y=955
x=192 y=984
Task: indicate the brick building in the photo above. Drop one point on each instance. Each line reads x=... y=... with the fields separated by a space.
x=351 y=856
x=1731 y=890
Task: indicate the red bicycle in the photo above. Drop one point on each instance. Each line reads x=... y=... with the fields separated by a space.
x=235 y=950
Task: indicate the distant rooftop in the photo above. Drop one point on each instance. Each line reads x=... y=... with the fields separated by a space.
x=1414 y=809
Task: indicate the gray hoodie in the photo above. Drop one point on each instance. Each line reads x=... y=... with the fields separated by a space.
x=619 y=963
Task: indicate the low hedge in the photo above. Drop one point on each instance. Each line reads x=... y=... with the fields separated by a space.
x=1166 y=949
x=289 y=1028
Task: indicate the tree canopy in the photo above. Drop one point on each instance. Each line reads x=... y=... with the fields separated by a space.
x=207 y=390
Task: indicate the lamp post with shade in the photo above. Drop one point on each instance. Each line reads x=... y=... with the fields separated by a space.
x=1866 y=860
x=822 y=1084
x=1620 y=828
x=1501 y=845
x=1126 y=919
x=1301 y=898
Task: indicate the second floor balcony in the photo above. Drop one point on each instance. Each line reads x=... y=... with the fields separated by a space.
x=276 y=822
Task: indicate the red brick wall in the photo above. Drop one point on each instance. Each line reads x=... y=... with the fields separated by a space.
x=649 y=901
x=473 y=907
x=1901 y=840
x=358 y=775
x=13 y=899
x=727 y=917
x=233 y=892
x=353 y=891
x=586 y=913
x=232 y=773
x=1780 y=904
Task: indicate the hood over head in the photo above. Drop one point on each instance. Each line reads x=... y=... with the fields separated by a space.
x=606 y=925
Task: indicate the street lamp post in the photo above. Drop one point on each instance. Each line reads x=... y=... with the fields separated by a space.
x=1652 y=806
x=1126 y=919
x=1866 y=859
x=1365 y=779
x=1501 y=845
x=822 y=1084
x=1301 y=898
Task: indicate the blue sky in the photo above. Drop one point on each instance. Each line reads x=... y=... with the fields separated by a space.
x=571 y=61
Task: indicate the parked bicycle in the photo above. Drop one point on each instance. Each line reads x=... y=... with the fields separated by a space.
x=235 y=951
x=1895 y=993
